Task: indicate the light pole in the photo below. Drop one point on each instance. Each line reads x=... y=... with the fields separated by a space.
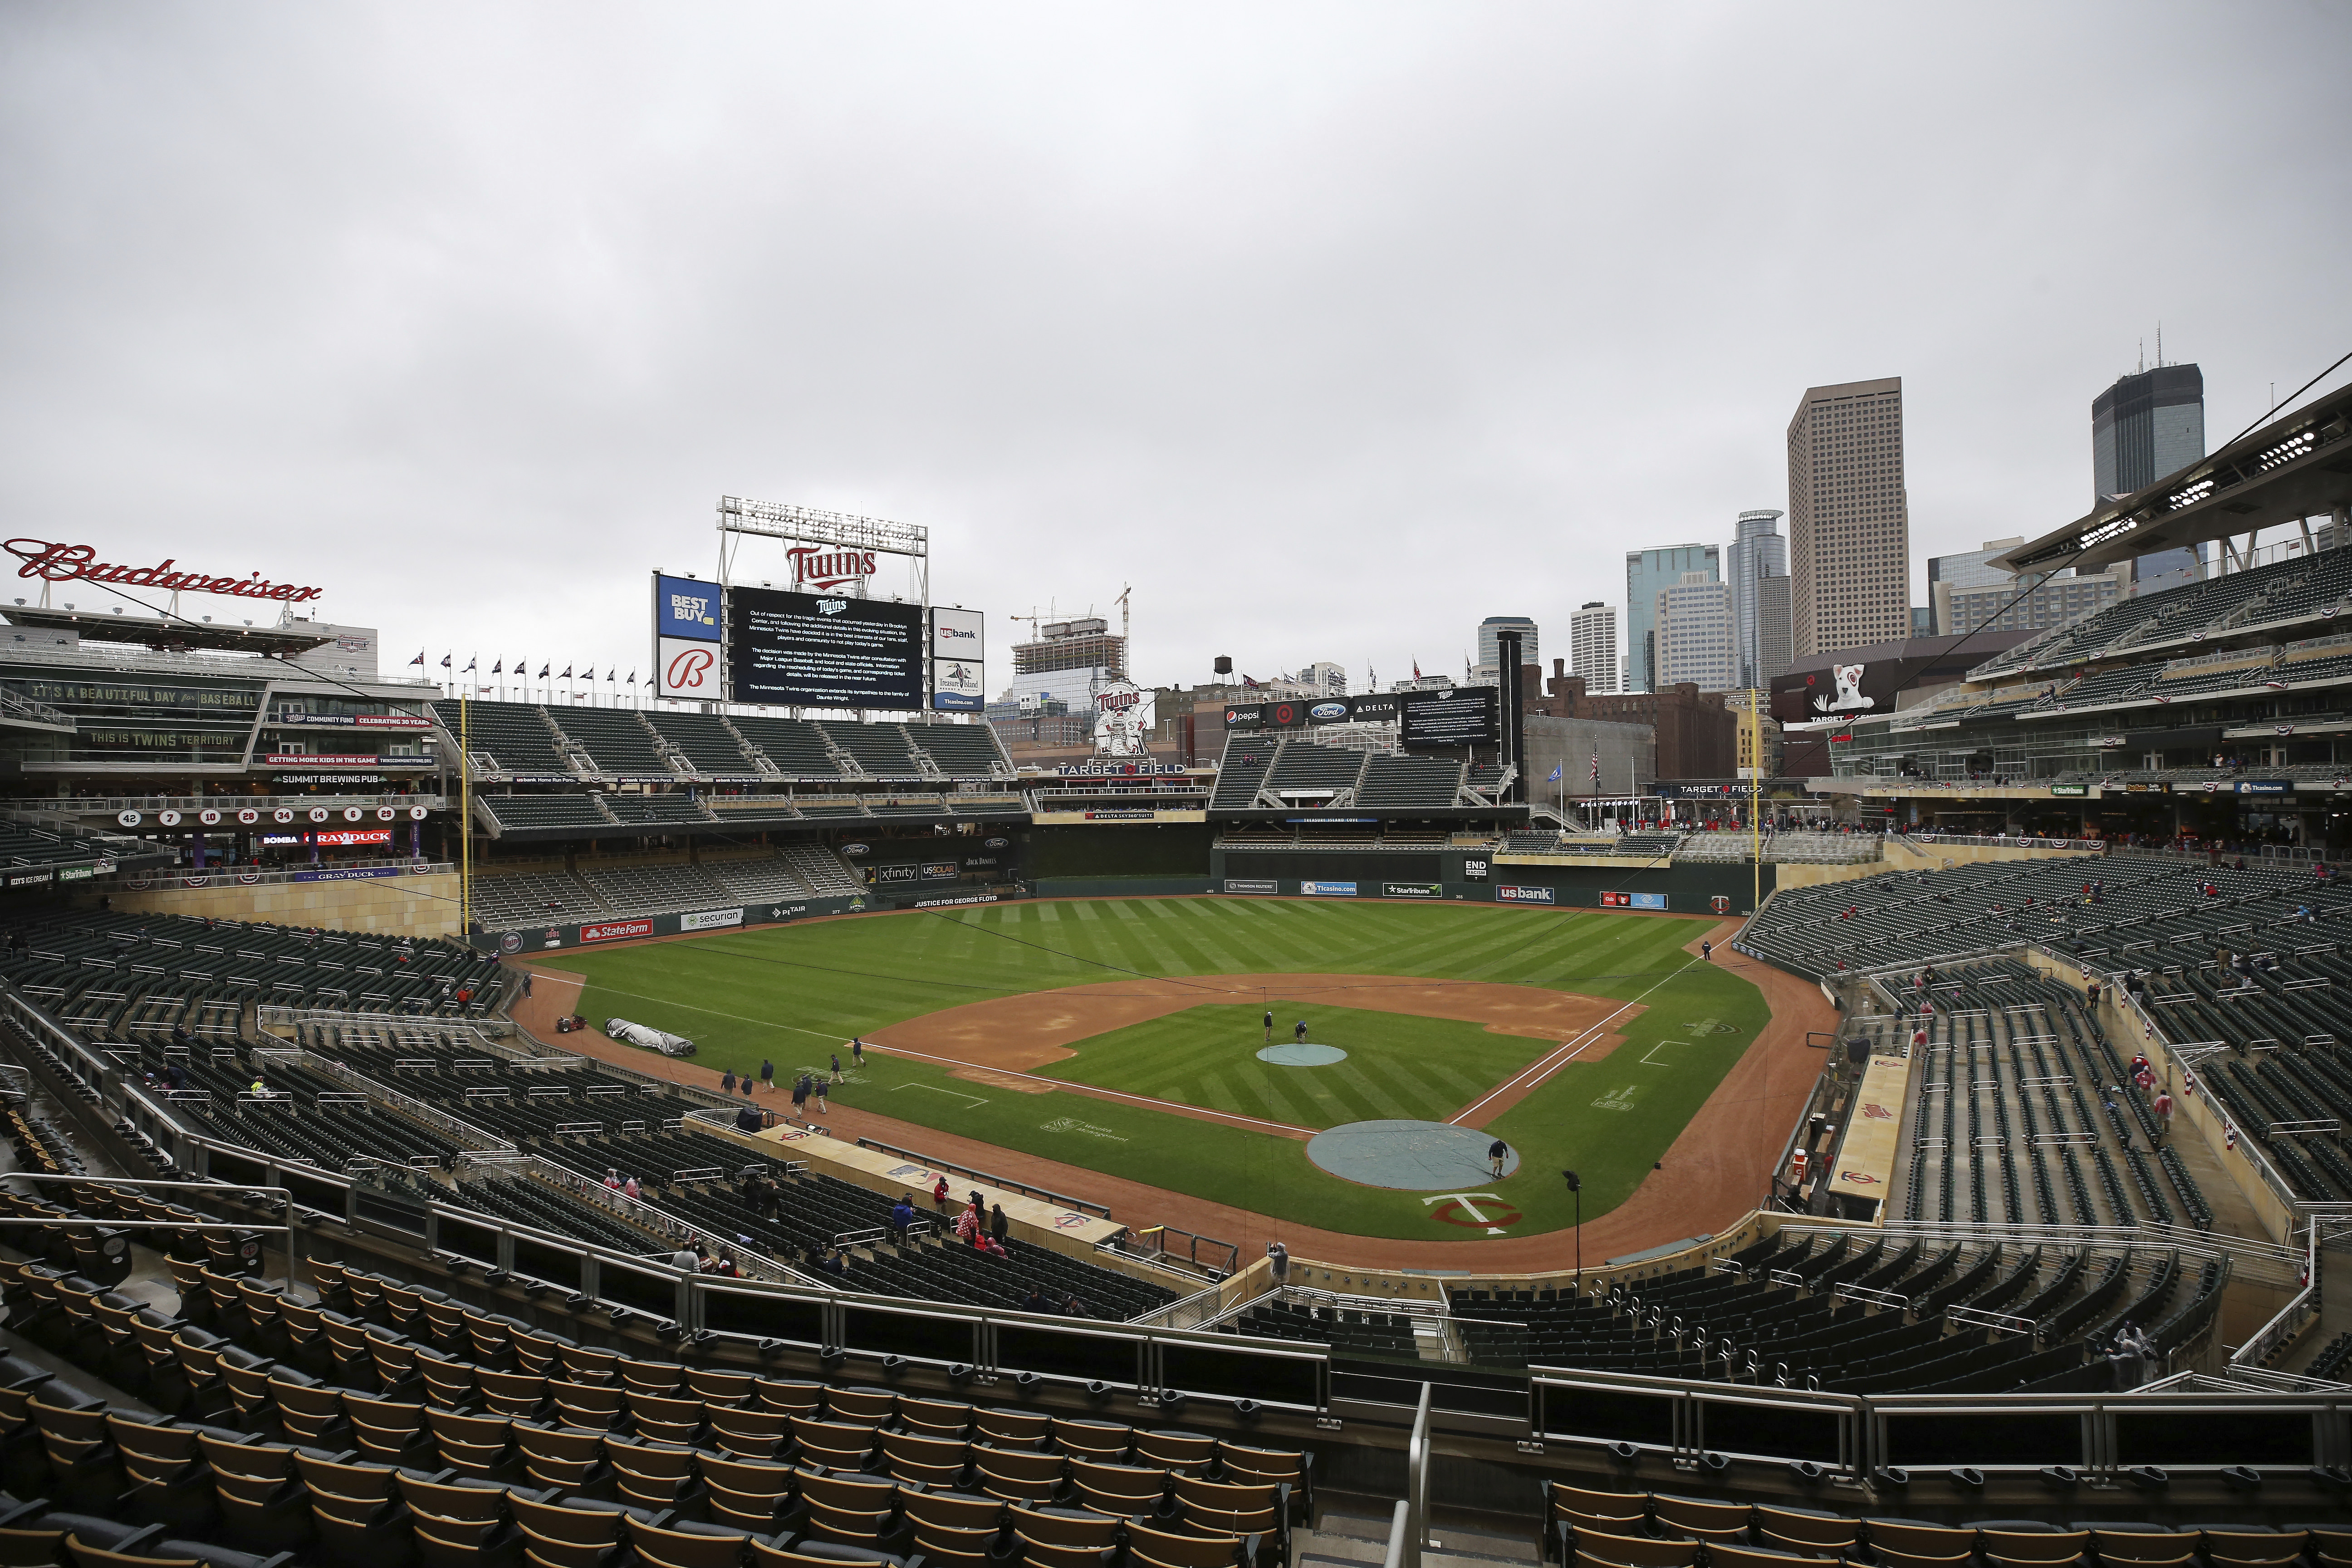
x=1576 y=1190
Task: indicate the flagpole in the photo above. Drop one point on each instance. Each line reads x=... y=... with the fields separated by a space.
x=465 y=819
x=1754 y=799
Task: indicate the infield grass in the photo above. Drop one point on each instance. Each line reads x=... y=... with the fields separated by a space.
x=794 y=994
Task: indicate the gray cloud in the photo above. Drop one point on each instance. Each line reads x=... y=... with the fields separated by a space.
x=1331 y=329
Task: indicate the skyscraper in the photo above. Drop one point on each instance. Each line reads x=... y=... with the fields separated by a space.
x=1646 y=571
x=1849 y=518
x=1693 y=634
x=1758 y=553
x=1493 y=626
x=1775 y=647
x=2148 y=424
x=1592 y=646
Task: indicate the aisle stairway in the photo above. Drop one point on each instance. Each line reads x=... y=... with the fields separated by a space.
x=1352 y=1530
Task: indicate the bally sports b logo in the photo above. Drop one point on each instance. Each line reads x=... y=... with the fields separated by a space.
x=689 y=671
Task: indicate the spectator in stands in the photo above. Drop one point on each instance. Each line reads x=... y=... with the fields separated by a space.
x=939 y=1196
x=727 y=1082
x=629 y=1188
x=613 y=1178
x=902 y=1215
x=990 y=1245
x=2163 y=1111
x=1278 y=1260
x=1074 y=1308
x=684 y=1259
x=998 y=1229
x=967 y=1226
x=1037 y=1301
x=767 y=1075
x=174 y=1076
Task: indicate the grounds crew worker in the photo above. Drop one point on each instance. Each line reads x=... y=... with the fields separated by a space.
x=1269 y=1026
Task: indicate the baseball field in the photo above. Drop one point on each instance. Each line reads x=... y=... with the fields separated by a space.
x=1125 y=1035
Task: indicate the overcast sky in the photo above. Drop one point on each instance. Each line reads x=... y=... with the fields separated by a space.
x=1332 y=330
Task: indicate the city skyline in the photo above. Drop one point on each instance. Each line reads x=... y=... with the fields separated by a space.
x=1090 y=296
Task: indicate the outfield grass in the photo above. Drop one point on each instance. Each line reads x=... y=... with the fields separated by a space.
x=794 y=994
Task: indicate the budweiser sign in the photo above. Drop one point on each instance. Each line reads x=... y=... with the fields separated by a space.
x=72 y=563
x=822 y=569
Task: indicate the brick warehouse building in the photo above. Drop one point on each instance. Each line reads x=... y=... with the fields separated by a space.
x=1697 y=736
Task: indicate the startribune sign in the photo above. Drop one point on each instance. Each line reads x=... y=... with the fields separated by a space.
x=79 y=563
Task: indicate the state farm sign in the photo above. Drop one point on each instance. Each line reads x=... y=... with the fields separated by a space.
x=616 y=931
x=79 y=563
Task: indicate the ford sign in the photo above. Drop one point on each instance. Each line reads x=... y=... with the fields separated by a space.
x=853 y=850
x=1327 y=712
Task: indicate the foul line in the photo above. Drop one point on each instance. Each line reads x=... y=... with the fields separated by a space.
x=1533 y=1074
x=763 y=1023
x=1093 y=1090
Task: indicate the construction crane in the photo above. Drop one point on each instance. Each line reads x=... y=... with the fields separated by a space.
x=1126 y=640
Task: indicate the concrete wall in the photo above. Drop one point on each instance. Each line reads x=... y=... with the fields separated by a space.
x=1569 y=744
x=406 y=906
x=1901 y=857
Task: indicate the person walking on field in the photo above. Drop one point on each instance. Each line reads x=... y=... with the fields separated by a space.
x=1497 y=1153
x=858 y=1050
x=1269 y=1026
x=837 y=1067
x=727 y=1084
x=818 y=1088
x=768 y=1075
x=800 y=1094
x=1298 y=1032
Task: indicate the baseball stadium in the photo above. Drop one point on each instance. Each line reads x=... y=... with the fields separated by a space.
x=782 y=1121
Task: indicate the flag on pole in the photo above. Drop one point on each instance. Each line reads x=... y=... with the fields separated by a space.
x=500 y=667
x=567 y=672
x=419 y=658
x=1596 y=770
x=1555 y=777
x=446 y=659
x=1416 y=669
x=473 y=662
x=542 y=671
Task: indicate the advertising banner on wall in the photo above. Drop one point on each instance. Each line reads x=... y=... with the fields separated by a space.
x=1327 y=889
x=1504 y=893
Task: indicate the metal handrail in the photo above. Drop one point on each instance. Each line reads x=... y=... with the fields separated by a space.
x=1416 y=1483
x=2291 y=1319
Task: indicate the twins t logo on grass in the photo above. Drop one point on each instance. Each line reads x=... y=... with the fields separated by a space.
x=1460 y=1209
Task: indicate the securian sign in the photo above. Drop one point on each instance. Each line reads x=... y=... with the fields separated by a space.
x=71 y=563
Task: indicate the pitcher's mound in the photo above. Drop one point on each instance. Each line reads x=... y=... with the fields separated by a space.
x=1302 y=1056
x=1410 y=1156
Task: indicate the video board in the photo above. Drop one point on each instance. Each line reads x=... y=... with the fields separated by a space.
x=1466 y=716
x=823 y=651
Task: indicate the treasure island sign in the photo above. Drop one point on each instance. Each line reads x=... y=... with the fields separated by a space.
x=79 y=563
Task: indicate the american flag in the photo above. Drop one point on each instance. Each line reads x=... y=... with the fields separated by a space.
x=1596 y=770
